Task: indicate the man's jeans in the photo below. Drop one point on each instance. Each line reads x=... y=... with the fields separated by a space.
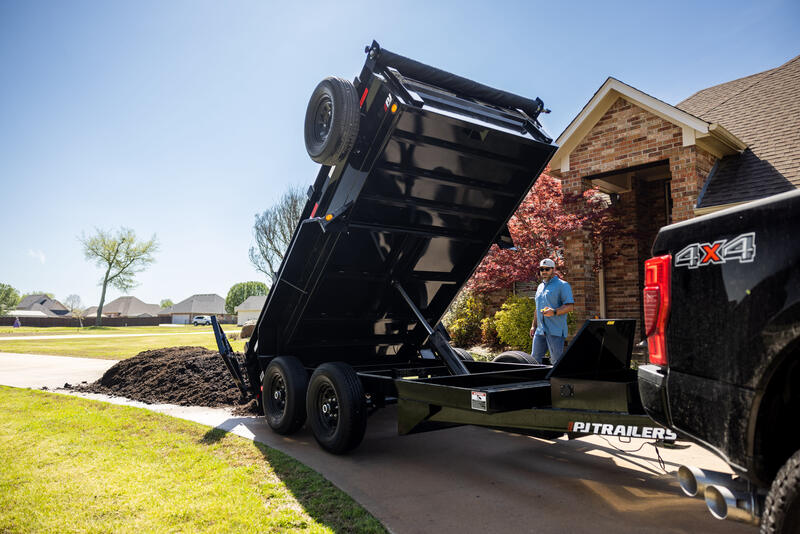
x=542 y=342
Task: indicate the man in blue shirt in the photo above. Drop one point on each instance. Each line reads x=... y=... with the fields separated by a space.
x=553 y=302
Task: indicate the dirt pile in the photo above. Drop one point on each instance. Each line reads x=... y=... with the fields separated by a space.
x=188 y=376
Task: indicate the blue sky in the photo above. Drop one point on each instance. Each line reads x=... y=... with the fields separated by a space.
x=184 y=118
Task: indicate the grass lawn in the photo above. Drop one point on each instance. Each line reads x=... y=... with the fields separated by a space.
x=71 y=464
x=8 y=331
x=113 y=348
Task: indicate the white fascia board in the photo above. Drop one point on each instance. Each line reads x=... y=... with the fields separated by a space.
x=603 y=99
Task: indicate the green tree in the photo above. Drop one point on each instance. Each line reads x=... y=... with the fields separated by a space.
x=238 y=293
x=513 y=322
x=166 y=303
x=9 y=298
x=120 y=256
x=273 y=231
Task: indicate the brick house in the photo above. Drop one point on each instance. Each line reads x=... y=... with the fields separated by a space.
x=660 y=164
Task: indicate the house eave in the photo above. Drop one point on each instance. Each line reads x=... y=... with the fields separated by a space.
x=712 y=209
x=713 y=138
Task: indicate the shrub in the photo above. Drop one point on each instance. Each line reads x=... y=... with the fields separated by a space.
x=489 y=333
x=514 y=322
x=463 y=319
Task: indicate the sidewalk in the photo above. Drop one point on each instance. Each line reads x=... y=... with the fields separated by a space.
x=87 y=336
x=36 y=370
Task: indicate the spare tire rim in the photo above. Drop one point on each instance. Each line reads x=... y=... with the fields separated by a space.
x=276 y=396
x=328 y=405
x=322 y=119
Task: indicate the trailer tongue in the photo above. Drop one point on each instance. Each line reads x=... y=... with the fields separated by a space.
x=421 y=171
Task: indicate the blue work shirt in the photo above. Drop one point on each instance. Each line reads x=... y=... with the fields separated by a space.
x=552 y=294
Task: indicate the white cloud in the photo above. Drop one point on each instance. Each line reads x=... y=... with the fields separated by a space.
x=37 y=255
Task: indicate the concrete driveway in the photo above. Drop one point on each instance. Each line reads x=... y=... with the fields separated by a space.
x=477 y=480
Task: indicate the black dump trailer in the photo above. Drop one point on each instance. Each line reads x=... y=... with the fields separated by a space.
x=421 y=171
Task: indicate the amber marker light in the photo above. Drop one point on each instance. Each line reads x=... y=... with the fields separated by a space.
x=329 y=216
x=394 y=108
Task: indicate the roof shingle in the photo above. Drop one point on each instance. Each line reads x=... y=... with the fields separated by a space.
x=763 y=110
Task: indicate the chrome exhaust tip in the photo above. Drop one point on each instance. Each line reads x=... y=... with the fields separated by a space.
x=693 y=480
x=724 y=503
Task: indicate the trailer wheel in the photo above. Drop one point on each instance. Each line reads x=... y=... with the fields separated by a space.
x=515 y=356
x=336 y=407
x=284 y=394
x=331 y=124
x=464 y=354
x=782 y=508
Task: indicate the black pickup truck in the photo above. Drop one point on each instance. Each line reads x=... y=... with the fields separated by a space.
x=722 y=313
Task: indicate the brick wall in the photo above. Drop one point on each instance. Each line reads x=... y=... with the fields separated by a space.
x=628 y=136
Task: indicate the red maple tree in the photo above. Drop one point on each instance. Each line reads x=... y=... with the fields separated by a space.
x=538 y=229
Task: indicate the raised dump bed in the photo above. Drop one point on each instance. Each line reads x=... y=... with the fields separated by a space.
x=421 y=171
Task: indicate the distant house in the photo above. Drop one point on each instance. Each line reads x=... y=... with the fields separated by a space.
x=185 y=310
x=91 y=311
x=42 y=303
x=250 y=308
x=129 y=307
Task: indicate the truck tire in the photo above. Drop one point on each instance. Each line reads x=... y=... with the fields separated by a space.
x=336 y=407
x=284 y=394
x=514 y=356
x=464 y=354
x=782 y=508
x=331 y=124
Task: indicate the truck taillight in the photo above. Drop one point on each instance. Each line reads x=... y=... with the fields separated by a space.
x=656 y=306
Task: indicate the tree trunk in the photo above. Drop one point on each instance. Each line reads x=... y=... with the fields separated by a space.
x=99 y=319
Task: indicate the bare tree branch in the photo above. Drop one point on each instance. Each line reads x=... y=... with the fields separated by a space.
x=273 y=232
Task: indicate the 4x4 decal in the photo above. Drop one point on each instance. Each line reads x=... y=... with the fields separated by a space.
x=741 y=248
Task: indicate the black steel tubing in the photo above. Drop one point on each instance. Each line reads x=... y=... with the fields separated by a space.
x=452 y=82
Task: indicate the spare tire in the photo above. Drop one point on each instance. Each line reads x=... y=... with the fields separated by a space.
x=515 y=356
x=331 y=124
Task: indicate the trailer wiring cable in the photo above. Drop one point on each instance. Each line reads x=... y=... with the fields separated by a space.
x=661 y=462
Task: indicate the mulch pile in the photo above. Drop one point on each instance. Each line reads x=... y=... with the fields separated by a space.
x=187 y=376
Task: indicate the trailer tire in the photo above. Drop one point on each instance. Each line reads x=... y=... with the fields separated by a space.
x=336 y=407
x=284 y=394
x=331 y=124
x=464 y=354
x=515 y=356
x=782 y=507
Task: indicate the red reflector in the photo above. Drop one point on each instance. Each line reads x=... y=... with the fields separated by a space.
x=316 y=205
x=363 y=97
x=656 y=303
x=650 y=302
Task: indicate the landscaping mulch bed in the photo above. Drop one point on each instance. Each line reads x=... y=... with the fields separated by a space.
x=187 y=376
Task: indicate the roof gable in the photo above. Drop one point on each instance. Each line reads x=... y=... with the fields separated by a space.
x=253 y=302
x=131 y=307
x=710 y=136
x=41 y=301
x=208 y=303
